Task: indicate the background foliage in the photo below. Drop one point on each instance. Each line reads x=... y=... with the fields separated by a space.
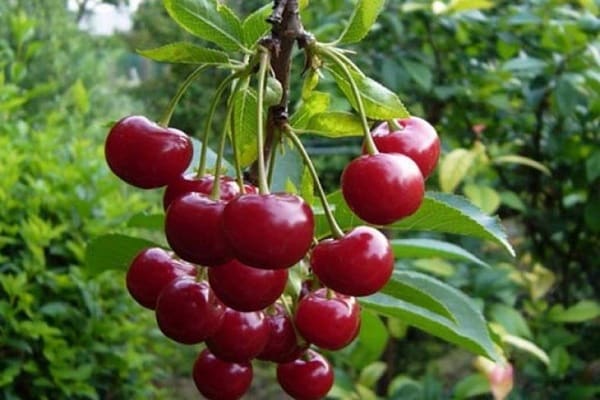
x=514 y=92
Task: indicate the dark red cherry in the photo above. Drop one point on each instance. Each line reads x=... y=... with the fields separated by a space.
x=147 y=155
x=194 y=232
x=241 y=336
x=220 y=380
x=327 y=319
x=269 y=231
x=150 y=271
x=188 y=311
x=358 y=264
x=310 y=377
x=283 y=345
x=244 y=288
x=185 y=184
x=417 y=139
x=383 y=188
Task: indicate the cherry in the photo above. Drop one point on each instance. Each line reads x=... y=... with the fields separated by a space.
x=220 y=380
x=327 y=319
x=244 y=288
x=269 y=231
x=150 y=271
x=188 y=311
x=417 y=139
x=147 y=155
x=282 y=345
x=185 y=184
x=309 y=377
x=193 y=229
x=358 y=264
x=241 y=336
x=383 y=188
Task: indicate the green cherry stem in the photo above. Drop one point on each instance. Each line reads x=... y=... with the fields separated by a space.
x=393 y=125
x=336 y=231
x=166 y=117
x=263 y=186
x=369 y=143
x=272 y=159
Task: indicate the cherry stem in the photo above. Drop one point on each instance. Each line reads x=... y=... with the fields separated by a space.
x=211 y=114
x=271 y=164
x=263 y=186
x=339 y=61
x=336 y=231
x=393 y=125
x=166 y=117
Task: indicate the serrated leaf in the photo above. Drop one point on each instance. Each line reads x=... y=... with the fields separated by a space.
x=454 y=168
x=335 y=124
x=466 y=329
x=245 y=124
x=423 y=248
x=113 y=251
x=379 y=102
x=255 y=25
x=439 y=212
x=363 y=17
x=185 y=53
x=208 y=20
x=484 y=197
x=516 y=159
x=316 y=102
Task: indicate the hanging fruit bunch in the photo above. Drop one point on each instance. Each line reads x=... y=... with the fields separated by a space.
x=256 y=274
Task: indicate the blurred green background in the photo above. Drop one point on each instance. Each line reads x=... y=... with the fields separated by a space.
x=513 y=89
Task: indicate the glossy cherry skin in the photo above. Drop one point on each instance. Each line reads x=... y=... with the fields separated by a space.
x=185 y=184
x=309 y=377
x=329 y=323
x=220 y=380
x=150 y=271
x=417 y=139
x=269 y=231
x=241 y=336
x=358 y=264
x=147 y=155
x=244 y=288
x=283 y=345
x=193 y=229
x=383 y=188
x=188 y=311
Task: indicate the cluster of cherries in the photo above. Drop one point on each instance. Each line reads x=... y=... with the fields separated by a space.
x=223 y=283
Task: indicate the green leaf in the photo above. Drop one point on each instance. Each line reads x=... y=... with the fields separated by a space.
x=528 y=346
x=469 y=5
x=454 y=168
x=471 y=386
x=363 y=17
x=510 y=319
x=419 y=72
x=379 y=102
x=370 y=343
x=335 y=124
x=211 y=159
x=560 y=360
x=592 y=166
x=316 y=102
x=185 y=53
x=245 y=124
x=583 y=311
x=466 y=328
x=209 y=20
x=255 y=25
x=516 y=159
x=423 y=248
x=155 y=222
x=524 y=64
x=113 y=251
x=483 y=197
x=371 y=374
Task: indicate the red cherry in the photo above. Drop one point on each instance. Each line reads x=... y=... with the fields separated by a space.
x=282 y=345
x=270 y=231
x=244 y=288
x=241 y=336
x=417 y=139
x=327 y=319
x=193 y=229
x=383 y=188
x=358 y=264
x=309 y=377
x=188 y=311
x=150 y=271
x=185 y=184
x=147 y=155
x=220 y=380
